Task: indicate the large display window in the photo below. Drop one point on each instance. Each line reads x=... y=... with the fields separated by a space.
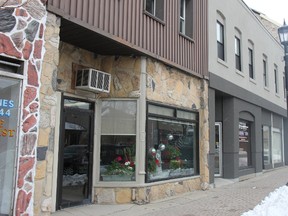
x=277 y=146
x=118 y=140
x=244 y=144
x=172 y=143
x=9 y=115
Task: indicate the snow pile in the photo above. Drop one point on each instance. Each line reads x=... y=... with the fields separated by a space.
x=275 y=204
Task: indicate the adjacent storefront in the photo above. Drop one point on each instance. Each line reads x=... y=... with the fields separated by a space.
x=10 y=92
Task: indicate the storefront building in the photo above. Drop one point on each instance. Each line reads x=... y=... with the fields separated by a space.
x=21 y=55
x=247 y=95
x=125 y=108
x=107 y=106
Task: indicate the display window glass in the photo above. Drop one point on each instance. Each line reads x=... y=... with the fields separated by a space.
x=172 y=145
x=118 y=140
x=277 y=146
x=244 y=144
x=266 y=145
x=9 y=115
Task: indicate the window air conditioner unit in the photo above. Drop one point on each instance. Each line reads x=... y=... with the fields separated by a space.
x=93 y=80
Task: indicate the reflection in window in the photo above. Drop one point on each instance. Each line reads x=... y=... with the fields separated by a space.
x=276 y=79
x=266 y=145
x=251 y=64
x=220 y=40
x=118 y=141
x=76 y=104
x=237 y=53
x=244 y=145
x=265 y=72
x=9 y=113
x=155 y=8
x=277 y=146
x=172 y=149
x=186 y=17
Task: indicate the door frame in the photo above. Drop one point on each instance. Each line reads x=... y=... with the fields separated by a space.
x=220 y=174
x=59 y=180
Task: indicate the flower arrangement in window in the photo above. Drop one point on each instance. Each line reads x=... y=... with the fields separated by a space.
x=123 y=165
x=152 y=163
x=172 y=155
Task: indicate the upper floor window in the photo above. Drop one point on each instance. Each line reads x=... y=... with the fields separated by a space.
x=155 y=8
x=238 y=53
x=220 y=40
x=276 y=79
x=251 y=63
x=186 y=17
x=265 y=72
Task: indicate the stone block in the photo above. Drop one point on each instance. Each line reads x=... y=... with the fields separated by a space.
x=38 y=192
x=29 y=123
x=40 y=170
x=43 y=137
x=28 y=144
x=123 y=195
x=29 y=95
x=48 y=185
x=49 y=159
x=105 y=196
x=25 y=165
x=22 y=203
x=41 y=153
x=32 y=75
x=47 y=205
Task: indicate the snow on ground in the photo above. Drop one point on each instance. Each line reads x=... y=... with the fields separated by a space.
x=275 y=204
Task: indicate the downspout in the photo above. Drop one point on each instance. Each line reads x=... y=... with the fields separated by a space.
x=142 y=122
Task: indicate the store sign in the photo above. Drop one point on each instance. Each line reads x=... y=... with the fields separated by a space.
x=5 y=111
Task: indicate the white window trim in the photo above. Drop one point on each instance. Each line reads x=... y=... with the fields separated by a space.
x=182 y=18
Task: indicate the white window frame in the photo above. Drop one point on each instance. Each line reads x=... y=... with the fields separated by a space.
x=183 y=18
x=276 y=79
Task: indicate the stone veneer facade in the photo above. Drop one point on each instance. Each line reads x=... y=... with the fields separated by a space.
x=164 y=85
x=29 y=33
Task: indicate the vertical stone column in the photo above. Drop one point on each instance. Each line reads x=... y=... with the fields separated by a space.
x=48 y=99
x=204 y=135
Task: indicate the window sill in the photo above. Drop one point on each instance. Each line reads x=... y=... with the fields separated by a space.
x=267 y=89
x=253 y=81
x=172 y=180
x=186 y=37
x=220 y=61
x=240 y=73
x=277 y=95
x=154 y=17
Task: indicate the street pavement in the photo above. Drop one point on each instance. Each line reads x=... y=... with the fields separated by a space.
x=226 y=199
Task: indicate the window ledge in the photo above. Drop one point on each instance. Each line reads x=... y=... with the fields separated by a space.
x=154 y=17
x=253 y=81
x=224 y=63
x=267 y=89
x=240 y=73
x=172 y=180
x=186 y=37
x=277 y=95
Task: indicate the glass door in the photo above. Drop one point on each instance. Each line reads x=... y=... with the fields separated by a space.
x=218 y=149
x=75 y=154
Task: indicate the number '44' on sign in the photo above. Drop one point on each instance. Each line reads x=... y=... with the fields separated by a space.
x=5 y=113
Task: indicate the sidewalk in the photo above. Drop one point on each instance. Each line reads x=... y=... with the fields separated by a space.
x=227 y=200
